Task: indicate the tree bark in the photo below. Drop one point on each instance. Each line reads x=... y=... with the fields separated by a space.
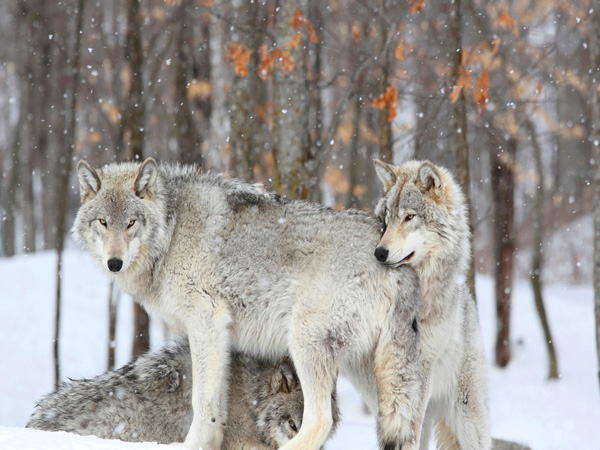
x=459 y=142
x=189 y=142
x=502 y=178
x=537 y=252
x=134 y=131
x=64 y=171
x=294 y=163
x=244 y=98
x=594 y=28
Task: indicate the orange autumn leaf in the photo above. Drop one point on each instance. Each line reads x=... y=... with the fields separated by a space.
x=355 y=33
x=286 y=61
x=206 y=3
x=240 y=57
x=463 y=82
x=399 y=52
x=293 y=42
x=480 y=95
x=173 y=2
x=416 y=6
x=505 y=21
x=390 y=99
x=297 y=19
x=312 y=35
x=267 y=62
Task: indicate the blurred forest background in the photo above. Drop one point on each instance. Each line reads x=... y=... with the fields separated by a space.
x=302 y=95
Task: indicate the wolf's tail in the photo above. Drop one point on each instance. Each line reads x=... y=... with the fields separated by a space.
x=149 y=399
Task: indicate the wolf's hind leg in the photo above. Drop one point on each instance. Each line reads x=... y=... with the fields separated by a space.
x=400 y=384
x=209 y=346
x=469 y=417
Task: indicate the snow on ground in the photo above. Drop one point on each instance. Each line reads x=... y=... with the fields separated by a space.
x=524 y=406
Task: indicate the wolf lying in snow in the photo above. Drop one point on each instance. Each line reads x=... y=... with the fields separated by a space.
x=150 y=400
x=425 y=218
x=238 y=267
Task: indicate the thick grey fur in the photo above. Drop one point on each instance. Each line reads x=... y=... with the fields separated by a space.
x=150 y=400
x=238 y=267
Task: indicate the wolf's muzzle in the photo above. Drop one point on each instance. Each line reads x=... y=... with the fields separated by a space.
x=115 y=264
x=381 y=253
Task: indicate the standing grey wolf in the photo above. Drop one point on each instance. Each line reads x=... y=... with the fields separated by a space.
x=150 y=400
x=238 y=267
x=425 y=218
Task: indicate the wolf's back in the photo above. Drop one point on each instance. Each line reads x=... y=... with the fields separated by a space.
x=146 y=400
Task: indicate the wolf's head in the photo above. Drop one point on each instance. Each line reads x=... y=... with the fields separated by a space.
x=120 y=216
x=424 y=215
x=280 y=411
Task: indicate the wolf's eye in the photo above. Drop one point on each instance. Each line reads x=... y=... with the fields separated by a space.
x=293 y=425
x=409 y=217
x=131 y=223
x=102 y=222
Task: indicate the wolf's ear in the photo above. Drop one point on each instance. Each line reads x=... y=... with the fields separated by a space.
x=283 y=379
x=386 y=174
x=145 y=183
x=428 y=179
x=89 y=181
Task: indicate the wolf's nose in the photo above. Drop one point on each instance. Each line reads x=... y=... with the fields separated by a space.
x=381 y=253
x=115 y=264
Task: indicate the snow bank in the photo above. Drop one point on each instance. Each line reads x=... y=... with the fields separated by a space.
x=525 y=407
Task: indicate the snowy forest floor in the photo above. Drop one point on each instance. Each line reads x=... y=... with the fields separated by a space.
x=525 y=407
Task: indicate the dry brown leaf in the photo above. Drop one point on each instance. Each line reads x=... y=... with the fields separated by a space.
x=480 y=95
x=462 y=82
x=390 y=99
x=297 y=19
x=286 y=61
x=293 y=42
x=416 y=6
x=206 y=3
x=355 y=33
x=240 y=57
x=399 y=52
x=505 y=21
x=312 y=35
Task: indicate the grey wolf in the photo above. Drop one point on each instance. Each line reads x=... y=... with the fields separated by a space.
x=150 y=400
x=237 y=267
x=425 y=218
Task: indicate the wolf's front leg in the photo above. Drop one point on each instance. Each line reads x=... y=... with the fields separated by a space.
x=317 y=371
x=400 y=382
x=208 y=334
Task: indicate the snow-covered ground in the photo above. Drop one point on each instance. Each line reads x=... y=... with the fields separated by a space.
x=524 y=406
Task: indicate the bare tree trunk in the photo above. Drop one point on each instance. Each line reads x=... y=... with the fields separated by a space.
x=502 y=162
x=189 y=142
x=10 y=198
x=134 y=132
x=245 y=94
x=64 y=171
x=291 y=146
x=28 y=24
x=459 y=129
x=537 y=257
x=594 y=28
